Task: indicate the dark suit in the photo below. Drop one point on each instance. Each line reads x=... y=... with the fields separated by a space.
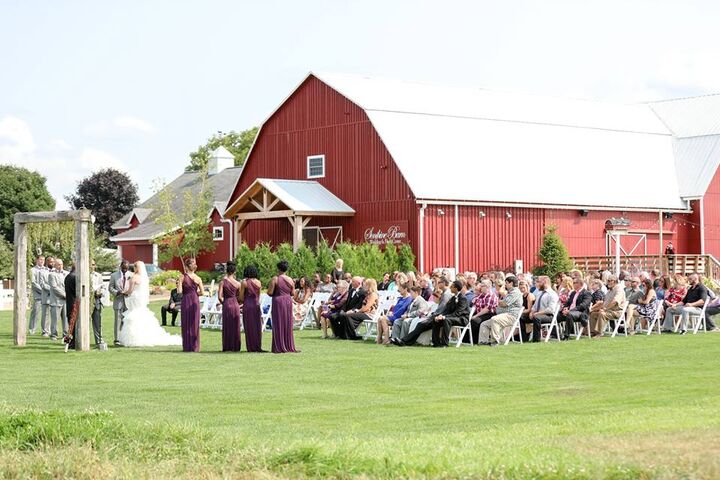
x=70 y=295
x=175 y=298
x=580 y=312
x=456 y=313
x=355 y=301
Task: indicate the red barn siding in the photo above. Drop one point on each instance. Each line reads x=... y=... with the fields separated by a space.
x=137 y=251
x=358 y=168
x=711 y=205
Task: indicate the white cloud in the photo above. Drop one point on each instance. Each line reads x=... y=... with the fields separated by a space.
x=119 y=125
x=59 y=162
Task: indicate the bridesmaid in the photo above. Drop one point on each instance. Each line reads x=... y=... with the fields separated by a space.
x=190 y=286
x=227 y=295
x=252 y=318
x=281 y=288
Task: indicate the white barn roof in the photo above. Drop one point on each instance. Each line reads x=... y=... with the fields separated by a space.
x=469 y=144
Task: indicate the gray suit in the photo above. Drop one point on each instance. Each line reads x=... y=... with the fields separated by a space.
x=401 y=326
x=118 y=282
x=56 y=281
x=45 y=296
x=98 y=289
x=36 y=274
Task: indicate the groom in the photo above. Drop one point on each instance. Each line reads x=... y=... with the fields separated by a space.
x=118 y=284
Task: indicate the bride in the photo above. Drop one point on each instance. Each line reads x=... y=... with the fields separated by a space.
x=140 y=327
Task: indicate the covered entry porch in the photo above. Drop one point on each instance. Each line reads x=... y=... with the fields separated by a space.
x=297 y=201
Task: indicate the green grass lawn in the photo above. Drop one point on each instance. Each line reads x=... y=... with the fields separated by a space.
x=643 y=407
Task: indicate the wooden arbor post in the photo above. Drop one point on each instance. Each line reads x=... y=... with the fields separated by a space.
x=82 y=219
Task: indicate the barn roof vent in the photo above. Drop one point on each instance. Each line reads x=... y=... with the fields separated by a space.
x=220 y=159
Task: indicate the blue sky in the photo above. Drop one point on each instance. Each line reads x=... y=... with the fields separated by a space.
x=137 y=85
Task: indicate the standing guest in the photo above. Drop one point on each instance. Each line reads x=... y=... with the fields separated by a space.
x=228 y=298
x=45 y=284
x=117 y=285
x=385 y=283
x=327 y=286
x=280 y=288
x=338 y=273
x=646 y=306
x=691 y=304
x=509 y=308
x=670 y=249
x=251 y=315
x=455 y=314
x=333 y=306
x=36 y=274
x=70 y=288
x=401 y=306
x=348 y=321
x=576 y=308
x=59 y=313
x=190 y=286
x=98 y=289
x=610 y=309
x=485 y=303
x=418 y=307
x=543 y=309
x=301 y=299
x=172 y=307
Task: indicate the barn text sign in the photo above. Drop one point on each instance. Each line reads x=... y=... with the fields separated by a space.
x=381 y=233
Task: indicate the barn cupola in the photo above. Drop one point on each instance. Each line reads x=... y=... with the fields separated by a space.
x=219 y=160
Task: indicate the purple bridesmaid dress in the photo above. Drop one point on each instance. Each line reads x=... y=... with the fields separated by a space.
x=190 y=316
x=230 y=318
x=252 y=318
x=282 y=317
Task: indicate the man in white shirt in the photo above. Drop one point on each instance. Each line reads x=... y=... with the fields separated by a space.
x=542 y=311
x=45 y=285
x=98 y=289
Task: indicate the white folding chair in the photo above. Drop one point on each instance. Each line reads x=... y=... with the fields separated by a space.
x=383 y=309
x=265 y=304
x=553 y=324
x=653 y=322
x=459 y=331
x=698 y=320
x=208 y=311
x=510 y=336
x=310 y=317
x=621 y=320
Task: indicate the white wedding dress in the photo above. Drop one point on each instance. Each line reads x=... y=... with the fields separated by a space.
x=140 y=327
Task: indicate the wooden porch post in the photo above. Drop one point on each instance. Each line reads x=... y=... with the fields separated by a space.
x=20 y=301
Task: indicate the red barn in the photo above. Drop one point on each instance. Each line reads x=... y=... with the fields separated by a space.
x=470 y=178
x=137 y=230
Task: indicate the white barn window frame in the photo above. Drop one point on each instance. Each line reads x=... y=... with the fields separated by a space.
x=218 y=234
x=316 y=166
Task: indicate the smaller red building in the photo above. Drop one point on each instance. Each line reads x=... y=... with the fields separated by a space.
x=137 y=230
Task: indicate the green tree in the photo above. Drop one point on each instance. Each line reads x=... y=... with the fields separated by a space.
x=304 y=263
x=370 y=260
x=21 y=190
x=324 y=261
x=406 y=258
x=109 y=194
x=391 y=259
x=553 y=254
x=187 y=231
x=347 y=252
x=6 y=259
x=237 y=143
x=266 y=262
x=244 y=257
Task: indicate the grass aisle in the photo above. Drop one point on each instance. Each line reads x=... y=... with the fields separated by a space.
x=624 y=408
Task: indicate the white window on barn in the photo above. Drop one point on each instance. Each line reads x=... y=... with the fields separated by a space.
x=316 y=166
x=218 y=234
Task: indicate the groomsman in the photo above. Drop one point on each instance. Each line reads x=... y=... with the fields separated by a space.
x=45 y=285
x=56 y=280
x=172 y=307
x=37 y=292
x=98 y=289
x=118 y=283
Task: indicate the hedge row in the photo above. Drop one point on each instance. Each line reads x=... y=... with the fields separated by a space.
x=360 y=259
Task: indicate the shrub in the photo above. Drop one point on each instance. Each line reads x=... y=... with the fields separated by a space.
x=347 y=252
x=245 y=256
x=165 y=279
x=370 y=259
x=406 y=259
x=266 y=262
x=553 y=254
x=303 y=264
x=391 y=260
x=324 y=261
x=6 y=259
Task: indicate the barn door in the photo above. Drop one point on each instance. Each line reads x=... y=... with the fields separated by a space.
x=630 y=244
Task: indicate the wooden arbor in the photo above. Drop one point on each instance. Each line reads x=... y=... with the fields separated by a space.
x=82 y=219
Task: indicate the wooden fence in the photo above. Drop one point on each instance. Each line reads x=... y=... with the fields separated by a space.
x=704 y=265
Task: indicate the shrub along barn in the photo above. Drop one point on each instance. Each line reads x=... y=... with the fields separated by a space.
x=470 y=178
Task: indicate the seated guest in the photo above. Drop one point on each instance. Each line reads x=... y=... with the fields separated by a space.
x=528 y=297
x=349 y=320
x=427 y=322
x=633 y=293
x=485 y=303
x=611 y=308
x=507 y=312
x=692 y=303
x=418 y=307
x=546 y=300
x=456 y=313
x=398 y=279
x=334 y=305
x=427 y=291
x=301 y=299
x=385 y=282
x=173 y=306
x=347 y=276
x=645 y=307
x=576 y=308
x=674 y=292
x=411 y=278
x=712 y=309
x=401 y=306
x=355 y=299
x=471 y=281
x=499 y=286
x=565 y=286
x=327 y=286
